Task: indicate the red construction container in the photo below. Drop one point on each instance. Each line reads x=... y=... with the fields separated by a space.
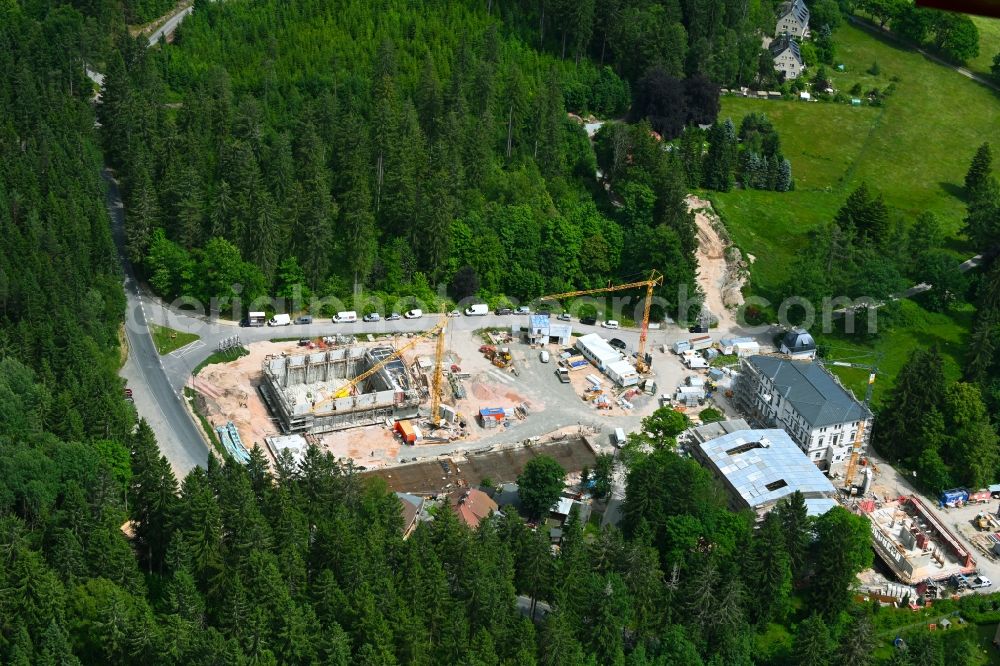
x=405 y=428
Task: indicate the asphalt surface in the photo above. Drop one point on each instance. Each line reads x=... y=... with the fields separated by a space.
x=180 y=439
x=171 y=25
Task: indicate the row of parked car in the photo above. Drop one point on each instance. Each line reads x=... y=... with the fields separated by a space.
x=350 y=316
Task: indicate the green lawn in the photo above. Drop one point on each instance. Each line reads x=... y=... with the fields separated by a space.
x=915 y=150
x=989 y=44
x=168 y=340
x=916 y=328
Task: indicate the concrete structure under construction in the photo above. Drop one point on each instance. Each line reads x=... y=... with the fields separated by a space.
x=303 y=390
x=913 y=543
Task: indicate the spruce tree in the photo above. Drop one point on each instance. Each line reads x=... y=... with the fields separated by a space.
x=980 y=170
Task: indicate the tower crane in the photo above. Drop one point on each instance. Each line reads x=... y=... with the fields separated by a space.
x=438 y=361
x=346 y=389
x=655 y=279
x=857 y=447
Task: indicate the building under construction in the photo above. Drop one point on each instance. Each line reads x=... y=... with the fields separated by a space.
x=914 y=544
x=309 y=393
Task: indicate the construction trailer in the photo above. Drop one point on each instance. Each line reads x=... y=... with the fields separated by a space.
x=256 y=318
x=303 y=391
x=492 y=417
x=622 y=373
x=597 y=350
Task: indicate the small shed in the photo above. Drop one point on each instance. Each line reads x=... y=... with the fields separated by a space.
x=945 y=623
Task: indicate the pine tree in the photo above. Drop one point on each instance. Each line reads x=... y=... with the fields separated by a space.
x=769 y=570
x=154 y=497
x=813 y=644
x=919 y=389
x=797 y=529
x=980 y=170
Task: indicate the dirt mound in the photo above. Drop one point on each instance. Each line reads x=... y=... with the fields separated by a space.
x=721 y=269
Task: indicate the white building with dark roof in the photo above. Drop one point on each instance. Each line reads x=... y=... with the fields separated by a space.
x=793 y=19
x=761 y=467
x=787 y=57
x=807 y=401
x=798 y=344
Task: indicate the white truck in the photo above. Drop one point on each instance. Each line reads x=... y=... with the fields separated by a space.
x=477 y=310
x=347 y=317
x=280 y=320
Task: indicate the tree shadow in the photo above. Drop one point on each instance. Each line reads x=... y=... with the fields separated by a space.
x=954 y=190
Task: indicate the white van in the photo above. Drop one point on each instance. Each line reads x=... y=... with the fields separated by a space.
x=280 y=320
x=477 y=310
x=618 y=437
x=416 y=313
x=543 y=356
x=610 y=323
x=347 y=317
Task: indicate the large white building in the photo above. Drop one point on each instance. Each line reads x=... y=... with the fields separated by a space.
x=807 y=402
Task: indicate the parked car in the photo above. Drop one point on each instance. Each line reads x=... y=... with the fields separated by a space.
x=370 y=317
x=304 y=319
x=503 y=311
x=454 y=313
x=393 y=317
x=698 y=328
x=618 y=344
x=980 y=581
x=610 y=323
x=565 y=316
x=304 y=342
x=588 y=321
x=415 y=313
x=522 y=310
x=563 y=375
x=543 y=356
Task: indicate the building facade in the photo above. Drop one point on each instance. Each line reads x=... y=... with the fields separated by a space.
x=817 y=412
x=787 y=57
x=793 y=19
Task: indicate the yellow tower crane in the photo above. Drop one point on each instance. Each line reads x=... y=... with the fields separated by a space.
x=438 y=372
x=857 y=447
x=346 y=389
x=655 y=279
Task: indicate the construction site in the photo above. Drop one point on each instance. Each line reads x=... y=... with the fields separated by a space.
x=913 y=543
x=393 y=399
x=314 y=393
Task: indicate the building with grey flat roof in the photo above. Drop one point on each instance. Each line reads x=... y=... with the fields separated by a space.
x=807 y=401
x=760 y=467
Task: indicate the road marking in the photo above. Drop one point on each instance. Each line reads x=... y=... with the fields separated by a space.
x=507 y=379
x=187 y=349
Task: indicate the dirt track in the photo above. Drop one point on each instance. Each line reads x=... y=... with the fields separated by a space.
x=715 y=275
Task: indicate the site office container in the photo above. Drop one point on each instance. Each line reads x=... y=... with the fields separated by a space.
x=701 y=342
x=405 y=429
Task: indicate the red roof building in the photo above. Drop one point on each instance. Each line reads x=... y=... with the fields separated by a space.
x=471 y=505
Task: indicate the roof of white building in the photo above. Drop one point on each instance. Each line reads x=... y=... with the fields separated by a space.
x=764 y=466
x=598 y=347
x=811 y=391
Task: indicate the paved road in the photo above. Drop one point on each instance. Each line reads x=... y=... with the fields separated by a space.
x=169 y=27
x=180 y=440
